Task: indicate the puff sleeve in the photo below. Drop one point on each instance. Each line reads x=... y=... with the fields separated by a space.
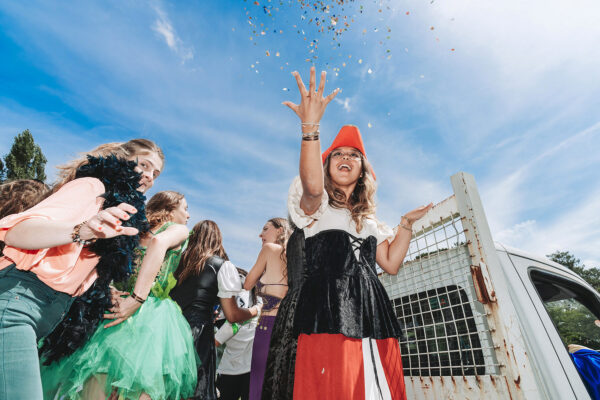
x=230 y=284
x=297 y=214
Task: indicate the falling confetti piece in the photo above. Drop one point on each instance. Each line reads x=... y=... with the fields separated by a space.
x=286 y=89
x=370 y=71
x=421 y=76
x=432 y=28
x=370 y=125
x=408 y=13
x=451 y=49
x=360 y=61
x=321 y=18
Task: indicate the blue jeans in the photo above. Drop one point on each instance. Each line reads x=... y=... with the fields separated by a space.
x=29 y=310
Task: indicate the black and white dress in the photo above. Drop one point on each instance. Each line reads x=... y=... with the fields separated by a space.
x=336 y=334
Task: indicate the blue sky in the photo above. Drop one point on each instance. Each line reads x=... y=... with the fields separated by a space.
x=515 y=103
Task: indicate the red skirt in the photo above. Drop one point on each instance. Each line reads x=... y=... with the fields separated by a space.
x=333 y=366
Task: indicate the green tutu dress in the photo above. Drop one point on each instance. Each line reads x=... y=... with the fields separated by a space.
x=151 y=352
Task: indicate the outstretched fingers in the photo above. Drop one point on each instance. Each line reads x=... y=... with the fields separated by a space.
x=292 y=106
x=332 y=95
x=322 y=83
x=301 y=87
x=312 y=83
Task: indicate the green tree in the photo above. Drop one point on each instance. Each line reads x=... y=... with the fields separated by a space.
x=590 y=275
x=2 y=172
x=25 y=159
x=575 y=323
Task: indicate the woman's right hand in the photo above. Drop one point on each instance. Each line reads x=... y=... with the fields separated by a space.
x=108 y=223
x=312 y=103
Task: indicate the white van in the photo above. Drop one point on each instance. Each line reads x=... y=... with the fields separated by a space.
x=481 y=320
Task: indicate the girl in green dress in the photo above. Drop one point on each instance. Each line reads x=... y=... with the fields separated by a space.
x=144 y=350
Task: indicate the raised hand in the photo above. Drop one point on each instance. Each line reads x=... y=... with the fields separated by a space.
x=417 y=213
x=312 y=103
x=108 y=223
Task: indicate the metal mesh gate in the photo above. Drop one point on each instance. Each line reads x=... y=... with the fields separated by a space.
x=445 y=326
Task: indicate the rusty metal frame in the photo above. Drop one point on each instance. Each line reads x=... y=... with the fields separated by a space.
x=471 y=262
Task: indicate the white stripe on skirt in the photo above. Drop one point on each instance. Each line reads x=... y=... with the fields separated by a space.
x=374 y=373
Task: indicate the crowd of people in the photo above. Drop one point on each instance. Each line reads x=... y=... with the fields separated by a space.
x=104 y=295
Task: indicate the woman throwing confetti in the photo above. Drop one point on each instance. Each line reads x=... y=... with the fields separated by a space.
x=336 y=335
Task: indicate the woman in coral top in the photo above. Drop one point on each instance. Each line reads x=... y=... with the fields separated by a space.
x=62 y=254
x=336 y=335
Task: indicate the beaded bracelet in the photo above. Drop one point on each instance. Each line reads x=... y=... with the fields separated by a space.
x=75 y=236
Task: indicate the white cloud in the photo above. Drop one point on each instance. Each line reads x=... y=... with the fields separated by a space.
x=164 y=27
x=506 y=199
x=345 y=103
x=576 y=230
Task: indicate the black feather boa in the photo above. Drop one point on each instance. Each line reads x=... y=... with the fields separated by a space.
x=116 y=257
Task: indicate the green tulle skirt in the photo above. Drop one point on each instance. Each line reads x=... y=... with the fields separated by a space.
x=151 y=352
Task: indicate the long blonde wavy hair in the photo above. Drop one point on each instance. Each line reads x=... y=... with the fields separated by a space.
x=362 y=200
x=123 y=150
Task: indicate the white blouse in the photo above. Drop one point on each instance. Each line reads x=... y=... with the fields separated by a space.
x=327 y=217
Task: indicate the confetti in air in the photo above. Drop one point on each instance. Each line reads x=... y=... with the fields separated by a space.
x=327 y=32
x=323 y=27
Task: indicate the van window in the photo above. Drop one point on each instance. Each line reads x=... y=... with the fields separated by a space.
x=572 y=308
x=441 y=336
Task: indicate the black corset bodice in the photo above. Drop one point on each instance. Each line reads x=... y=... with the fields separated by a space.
x=197 y=294
x=338 y=292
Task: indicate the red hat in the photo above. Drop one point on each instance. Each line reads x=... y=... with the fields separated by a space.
x=349 y=136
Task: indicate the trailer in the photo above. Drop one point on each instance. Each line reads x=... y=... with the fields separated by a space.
x=481 y=320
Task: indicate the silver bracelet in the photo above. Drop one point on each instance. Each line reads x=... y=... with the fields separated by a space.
x=311 y=135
